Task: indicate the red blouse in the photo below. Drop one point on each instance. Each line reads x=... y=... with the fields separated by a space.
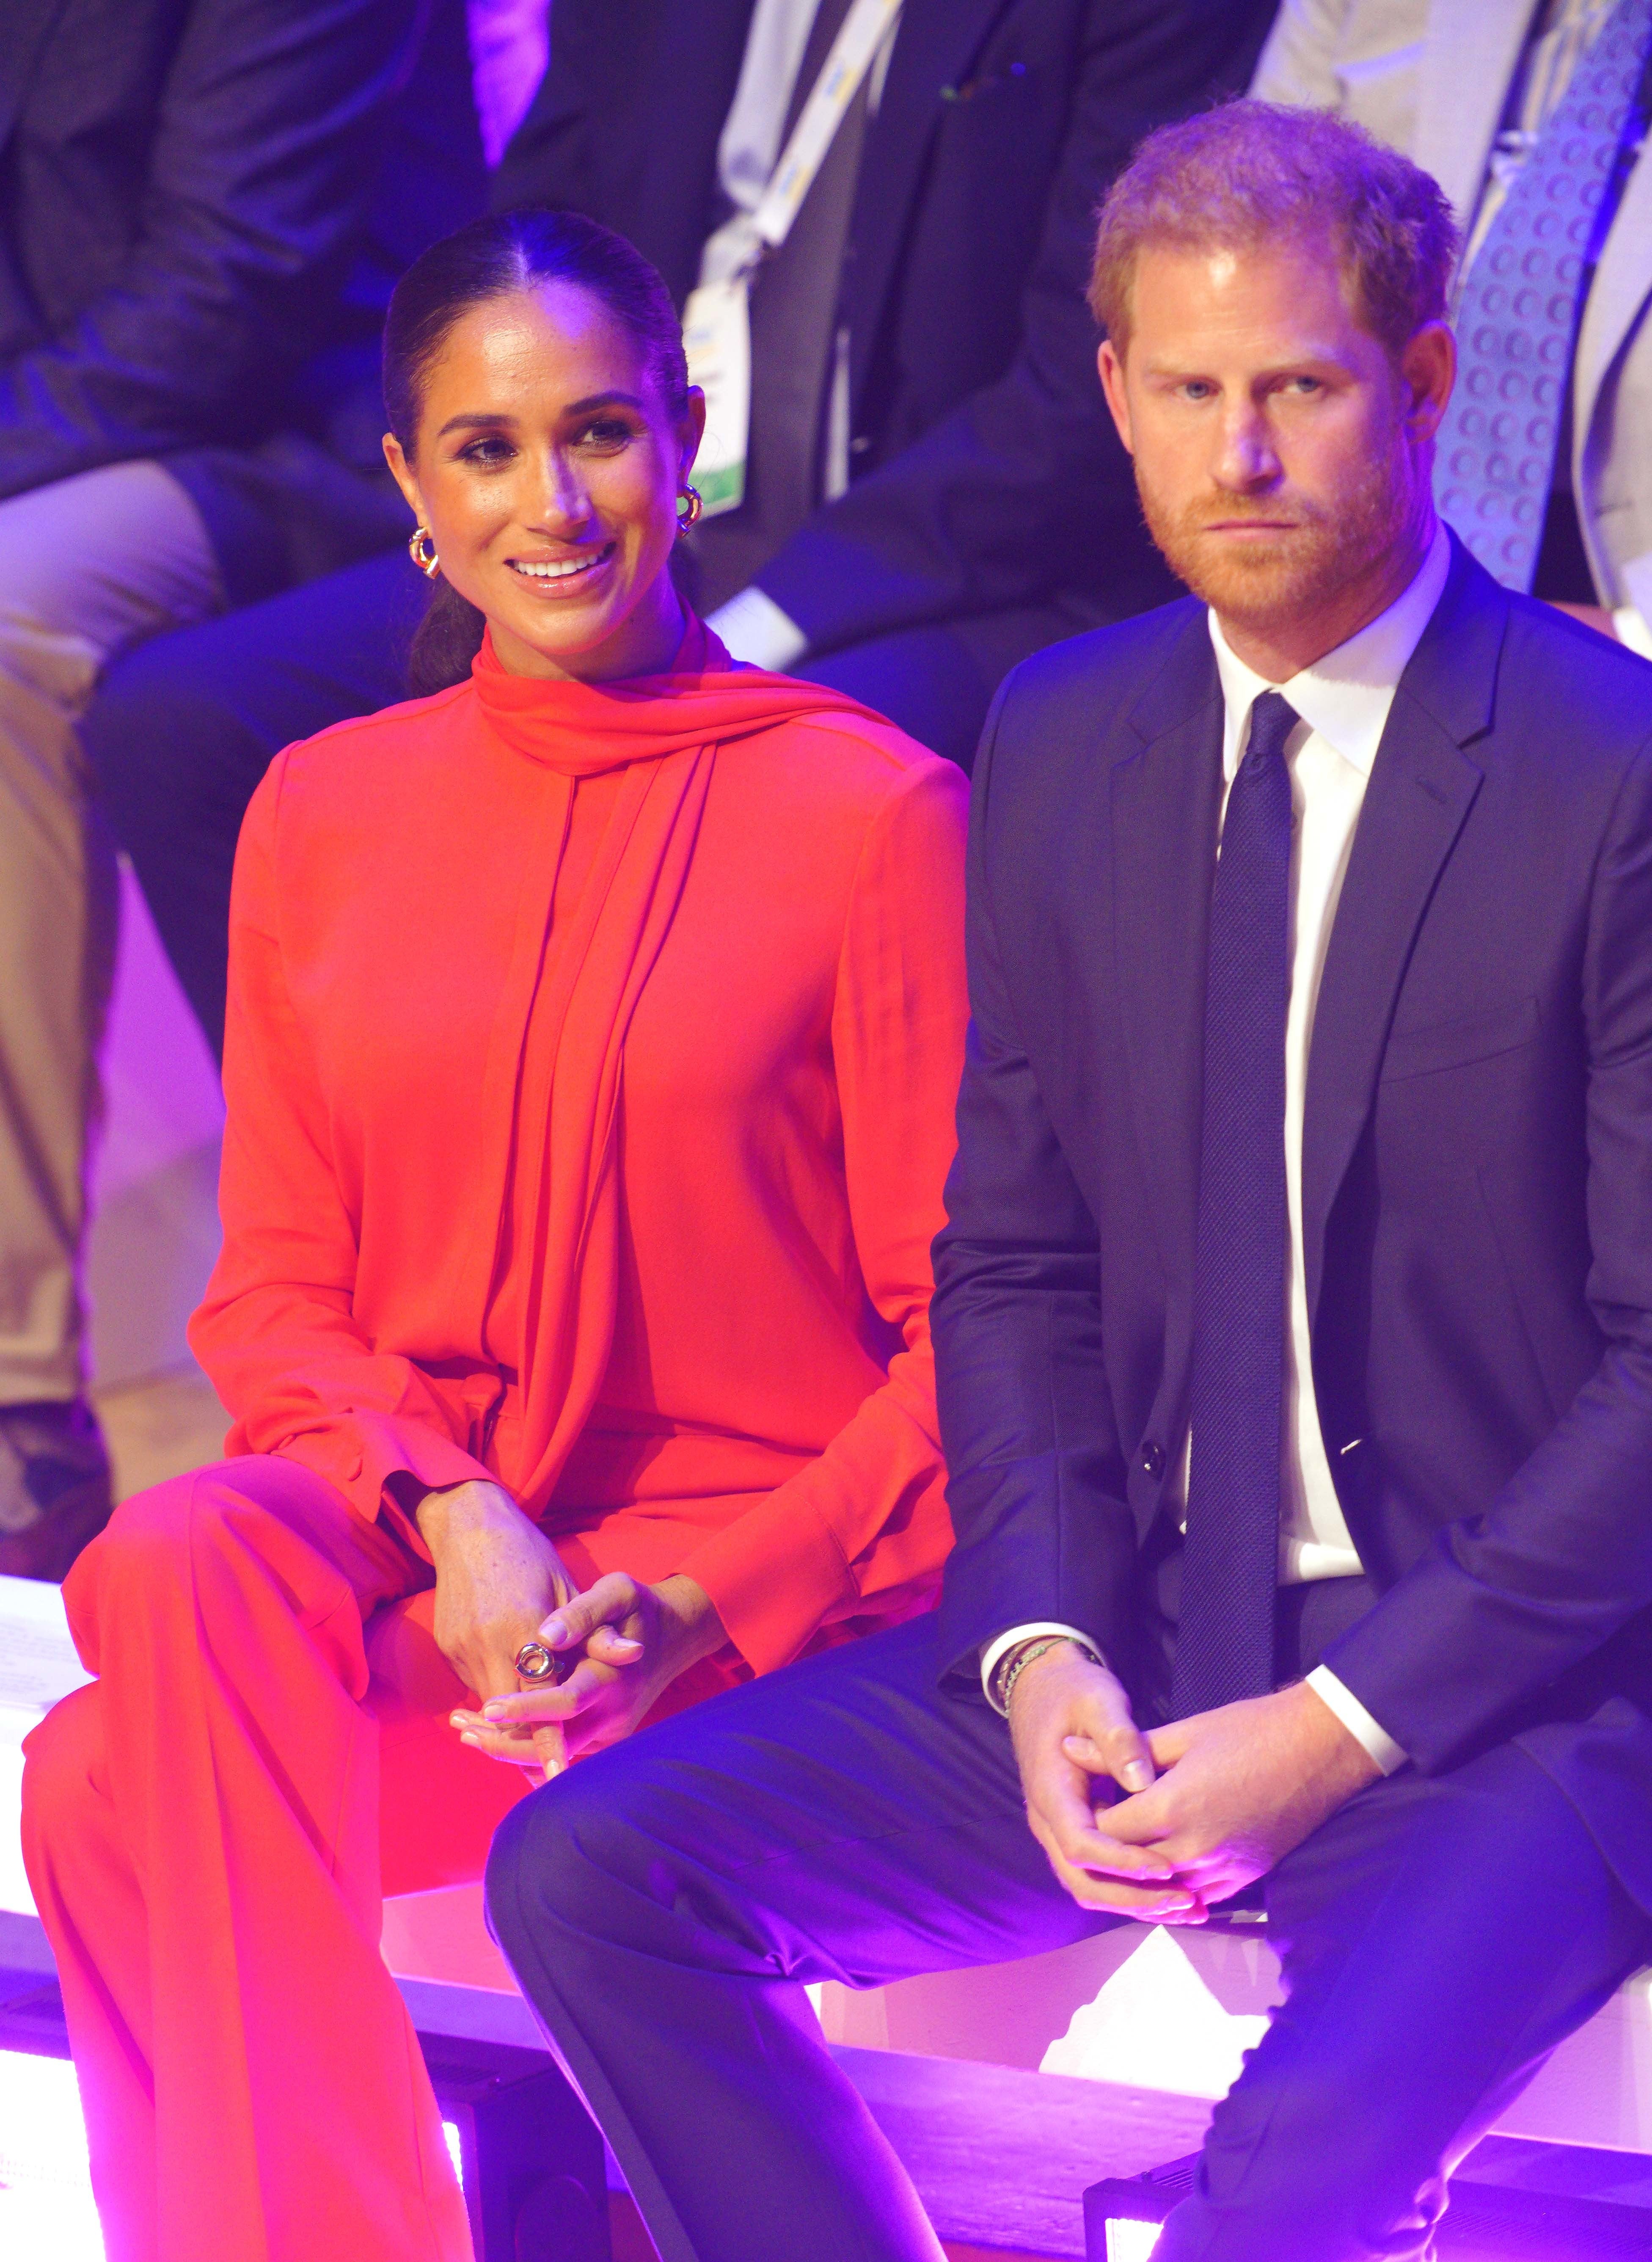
x=655 y=1255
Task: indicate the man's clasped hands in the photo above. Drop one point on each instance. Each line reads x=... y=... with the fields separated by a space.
x=1198 y=1809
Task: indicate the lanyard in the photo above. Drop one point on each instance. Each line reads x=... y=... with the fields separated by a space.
x=716 y=321
x=860 y=36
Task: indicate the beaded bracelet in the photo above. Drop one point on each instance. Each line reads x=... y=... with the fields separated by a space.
x=1011 y=1671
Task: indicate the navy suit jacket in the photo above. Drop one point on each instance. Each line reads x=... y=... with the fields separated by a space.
x=1477 y=1176
x=983 y=479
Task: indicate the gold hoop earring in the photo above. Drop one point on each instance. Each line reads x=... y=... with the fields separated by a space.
x=687 y=518
x=422 y=551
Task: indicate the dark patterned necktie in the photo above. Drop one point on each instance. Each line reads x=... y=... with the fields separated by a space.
x=1520 y=305
x=1225 y=1645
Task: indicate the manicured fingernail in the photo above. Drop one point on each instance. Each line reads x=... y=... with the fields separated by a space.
x=554 y=1633
x=467 y=1737
x=494 y=1712
x=1136 y=1777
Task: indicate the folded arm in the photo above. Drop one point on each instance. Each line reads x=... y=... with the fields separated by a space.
x=265 y=149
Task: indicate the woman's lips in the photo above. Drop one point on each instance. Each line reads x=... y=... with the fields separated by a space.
x=556 y=572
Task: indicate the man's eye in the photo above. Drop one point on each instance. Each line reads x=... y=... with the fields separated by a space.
x=1196 y=388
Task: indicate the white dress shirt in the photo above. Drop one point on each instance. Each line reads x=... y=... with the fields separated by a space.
x=1343 y=701
x=751 y=623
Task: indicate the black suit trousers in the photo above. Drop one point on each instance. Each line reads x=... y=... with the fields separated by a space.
x=662 y=1905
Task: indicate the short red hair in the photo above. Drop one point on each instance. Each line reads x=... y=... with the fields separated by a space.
x=1252 y=172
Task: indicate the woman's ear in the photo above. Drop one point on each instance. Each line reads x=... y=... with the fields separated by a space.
x=401 y=472
x=691 y=432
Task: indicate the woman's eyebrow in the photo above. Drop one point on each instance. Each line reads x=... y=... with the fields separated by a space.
x=474 y=420
x=602 y=401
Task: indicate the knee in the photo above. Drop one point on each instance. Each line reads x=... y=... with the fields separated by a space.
x=152 y=1542
x=565 y=1859
x=59 y=1759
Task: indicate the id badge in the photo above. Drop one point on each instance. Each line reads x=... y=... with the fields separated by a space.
x=717 y=341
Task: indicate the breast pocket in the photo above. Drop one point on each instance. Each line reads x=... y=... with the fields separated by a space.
x=1460 y=1041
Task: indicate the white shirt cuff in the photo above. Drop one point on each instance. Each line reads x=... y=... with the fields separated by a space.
x=756 y=629
x=1365 y=1731
x=1633 y=630
x=995 y=1650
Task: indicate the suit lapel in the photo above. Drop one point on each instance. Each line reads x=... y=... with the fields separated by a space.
x=1166 y=799
x=1468 y=58
x=935 y=43
x=1422 y=786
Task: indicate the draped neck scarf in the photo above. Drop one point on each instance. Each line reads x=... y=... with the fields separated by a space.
x=564 y=1095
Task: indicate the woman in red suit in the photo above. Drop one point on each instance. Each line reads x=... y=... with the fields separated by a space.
x=594 y=1027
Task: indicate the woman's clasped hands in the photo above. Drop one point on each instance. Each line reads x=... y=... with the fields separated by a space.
x=500 y=1583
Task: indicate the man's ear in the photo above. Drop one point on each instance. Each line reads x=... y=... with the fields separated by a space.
x=1428 y=369
x=1112 y=369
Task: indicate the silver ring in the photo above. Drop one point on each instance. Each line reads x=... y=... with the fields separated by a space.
x=535 y=1662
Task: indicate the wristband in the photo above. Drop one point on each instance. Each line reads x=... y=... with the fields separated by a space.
x=1017 y=1663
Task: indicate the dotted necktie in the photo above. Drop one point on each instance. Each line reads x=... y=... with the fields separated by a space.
x=1520 y=305
x=1225 y=1645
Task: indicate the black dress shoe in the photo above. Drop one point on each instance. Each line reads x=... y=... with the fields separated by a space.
x=55 y=1491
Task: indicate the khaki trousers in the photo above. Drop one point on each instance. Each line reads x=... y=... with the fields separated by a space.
x=87 y=567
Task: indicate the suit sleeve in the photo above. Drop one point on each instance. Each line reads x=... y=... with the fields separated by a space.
x=1043 y=1528
x=276 y=1332
x=1023 y=488
x=1506 y=1602
x=268 y=139
x=862 y=1531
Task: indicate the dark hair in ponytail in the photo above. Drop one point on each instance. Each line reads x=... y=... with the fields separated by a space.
x=510 y=251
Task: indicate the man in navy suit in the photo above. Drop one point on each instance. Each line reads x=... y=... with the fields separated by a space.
x=1293 y=1323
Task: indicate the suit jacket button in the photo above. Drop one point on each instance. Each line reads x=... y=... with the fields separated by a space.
x=1153 y=1459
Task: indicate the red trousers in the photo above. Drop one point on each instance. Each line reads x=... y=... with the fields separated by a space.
x=201 y=1827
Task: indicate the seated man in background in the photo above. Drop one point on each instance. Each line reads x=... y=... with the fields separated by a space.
x=202 y=210
x=1293 y=1332
x=1545 y=464
x=929 y=496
